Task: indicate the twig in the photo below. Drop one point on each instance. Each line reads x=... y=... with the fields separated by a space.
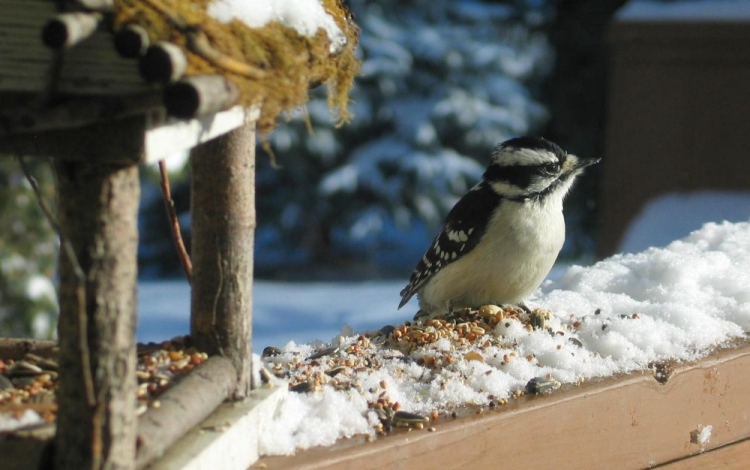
x=198 y=43
x=80 y=276
x=187 y=265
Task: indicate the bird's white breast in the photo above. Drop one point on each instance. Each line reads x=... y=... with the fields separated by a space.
x=517 y=251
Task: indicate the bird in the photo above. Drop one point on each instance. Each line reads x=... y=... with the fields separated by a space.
x=500 y=240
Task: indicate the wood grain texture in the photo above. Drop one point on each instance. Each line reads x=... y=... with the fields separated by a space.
x=731 y=457
x=223 y=232
x=97 y=213
x=183 y=406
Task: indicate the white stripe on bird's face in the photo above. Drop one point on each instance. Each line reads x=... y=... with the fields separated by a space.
x=510 y=156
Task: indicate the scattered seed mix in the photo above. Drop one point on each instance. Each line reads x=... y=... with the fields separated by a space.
x=27 y=386
x=631 y=312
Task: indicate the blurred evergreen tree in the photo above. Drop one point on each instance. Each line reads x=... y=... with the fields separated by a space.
x=443 y=82
x=28 y=247
x=576 y=94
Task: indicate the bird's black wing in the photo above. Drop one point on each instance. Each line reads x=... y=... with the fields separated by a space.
x=462 y=230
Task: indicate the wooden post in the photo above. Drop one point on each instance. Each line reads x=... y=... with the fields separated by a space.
x=98 y=205
x=223 y=221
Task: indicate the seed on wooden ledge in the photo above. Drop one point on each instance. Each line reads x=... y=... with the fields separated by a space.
x=5 y=383
x=406 y=419
x=270 y=351
x=576 y=341
x=43 y=362
x=473 y=356
x=323 y=352
x=335 y=371
x=387 y=330
x=303 y=387
x=538 y=319
x=23 y=369
x=490 y=311
x=44 y=379
x=539 y=385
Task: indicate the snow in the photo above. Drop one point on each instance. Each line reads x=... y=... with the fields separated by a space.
x=282 y=312
x=672 y=216
x=305 y=16
x=617 y=316
x=27 y=418
x=693 y=10
x=703 y=436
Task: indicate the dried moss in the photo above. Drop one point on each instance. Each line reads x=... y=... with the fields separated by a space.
x=293 y=63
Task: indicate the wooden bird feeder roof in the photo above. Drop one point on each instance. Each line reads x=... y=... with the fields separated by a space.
x=101 y=59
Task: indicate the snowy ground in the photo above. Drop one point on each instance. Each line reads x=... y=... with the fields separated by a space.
x=282 y=312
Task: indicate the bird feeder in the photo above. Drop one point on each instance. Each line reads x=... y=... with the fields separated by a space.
x=100 y=87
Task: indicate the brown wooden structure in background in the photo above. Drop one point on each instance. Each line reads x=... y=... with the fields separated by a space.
x=678 y=116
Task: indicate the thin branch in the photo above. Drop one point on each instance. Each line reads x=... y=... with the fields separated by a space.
x=174 y=224
x=80 y=276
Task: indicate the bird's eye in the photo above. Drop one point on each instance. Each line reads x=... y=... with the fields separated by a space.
x=551 y=168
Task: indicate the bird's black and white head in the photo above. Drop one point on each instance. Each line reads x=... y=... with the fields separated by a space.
x=531 y=168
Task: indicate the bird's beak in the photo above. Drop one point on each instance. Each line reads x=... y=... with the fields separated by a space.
x=578 y=163
x=584 y=162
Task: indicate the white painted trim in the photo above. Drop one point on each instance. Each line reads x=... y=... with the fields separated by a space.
x=176 y=135
x=226 y=440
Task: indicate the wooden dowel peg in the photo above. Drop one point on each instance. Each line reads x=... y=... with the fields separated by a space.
x=199 y=95
x=68 y=29
x=163 y=62
x=131 y=41
x=97 y=5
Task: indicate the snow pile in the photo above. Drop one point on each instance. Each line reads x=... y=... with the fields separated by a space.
x=305 y=16
x=672 y=216
x=620 y=315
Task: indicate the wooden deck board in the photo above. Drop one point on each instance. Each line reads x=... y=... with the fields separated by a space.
x=618 y=423
x=732 y=457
